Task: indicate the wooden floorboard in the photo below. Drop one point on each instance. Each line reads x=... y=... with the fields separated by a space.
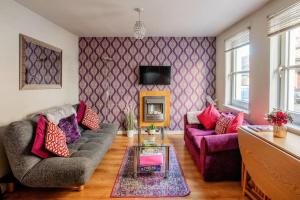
x=102 y=181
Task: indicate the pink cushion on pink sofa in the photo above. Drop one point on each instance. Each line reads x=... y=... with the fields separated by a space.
x=191 y=132
x=80 y=111
x=235 y=123
x=209 y=117
x=38 y=147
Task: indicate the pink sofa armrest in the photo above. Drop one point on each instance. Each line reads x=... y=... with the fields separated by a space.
x=219 y=143
x=187 y=125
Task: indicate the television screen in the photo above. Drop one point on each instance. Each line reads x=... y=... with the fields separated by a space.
x=155 y=75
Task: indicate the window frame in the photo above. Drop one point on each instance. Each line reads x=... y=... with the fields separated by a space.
x=232 y=76
x=283 y=72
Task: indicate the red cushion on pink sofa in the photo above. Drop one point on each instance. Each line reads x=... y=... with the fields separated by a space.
x=38 y=147
x=235 y=123
x=191 y=132
x=209 y=117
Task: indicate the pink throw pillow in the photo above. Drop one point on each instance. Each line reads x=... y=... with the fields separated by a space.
x=38 y=147
x=209 y=117
x=80 y=111
x=235 y=123
x=222 y=124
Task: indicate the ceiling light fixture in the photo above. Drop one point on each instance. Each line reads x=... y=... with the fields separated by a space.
x=139 y=27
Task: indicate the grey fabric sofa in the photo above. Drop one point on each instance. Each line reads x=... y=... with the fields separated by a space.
x=75 y=170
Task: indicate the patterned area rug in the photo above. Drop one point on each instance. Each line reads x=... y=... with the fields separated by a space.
x=151 y=184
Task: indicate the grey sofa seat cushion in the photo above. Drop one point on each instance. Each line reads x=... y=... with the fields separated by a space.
x=59 y=172
x=33 y=171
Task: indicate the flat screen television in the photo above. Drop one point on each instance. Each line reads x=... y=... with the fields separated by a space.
x=155 y=75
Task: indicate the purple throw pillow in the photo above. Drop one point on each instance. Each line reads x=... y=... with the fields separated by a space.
x=69 y=126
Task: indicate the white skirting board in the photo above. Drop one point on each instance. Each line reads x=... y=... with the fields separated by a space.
x=169 y=132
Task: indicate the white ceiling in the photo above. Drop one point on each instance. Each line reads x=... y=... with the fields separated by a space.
x=161 y=17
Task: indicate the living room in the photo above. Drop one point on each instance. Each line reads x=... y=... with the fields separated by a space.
x=150 y=99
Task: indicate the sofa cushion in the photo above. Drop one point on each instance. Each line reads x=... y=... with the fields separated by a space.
x=91 y=119
x=70 y=128
x=38 y=147
x=80 y=111
x=57 y=113
x=56 y=141
x=191 y=132
x=209 y=117
x=235 y=123
x=222 y=124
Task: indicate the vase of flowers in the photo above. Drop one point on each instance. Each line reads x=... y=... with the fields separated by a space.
x=279 y=119
x=130 y=121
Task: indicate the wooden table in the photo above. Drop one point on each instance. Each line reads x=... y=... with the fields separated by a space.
x=273 y=164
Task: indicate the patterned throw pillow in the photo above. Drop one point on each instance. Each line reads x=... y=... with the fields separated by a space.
x=222 y=124
x=69 y=126
x=56 y=141
x=91 y=119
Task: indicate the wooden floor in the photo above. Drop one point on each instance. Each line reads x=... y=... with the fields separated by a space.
x=101 y=183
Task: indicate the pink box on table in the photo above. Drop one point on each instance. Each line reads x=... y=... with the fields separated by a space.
x=148 y=160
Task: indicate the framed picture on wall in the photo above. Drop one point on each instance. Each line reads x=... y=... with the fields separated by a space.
x=40 y=64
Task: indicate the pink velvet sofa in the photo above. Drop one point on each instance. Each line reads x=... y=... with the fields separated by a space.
x=217 y=156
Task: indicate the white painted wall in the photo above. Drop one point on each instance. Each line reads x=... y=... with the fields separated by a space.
x=16 y=104
x=259 y=60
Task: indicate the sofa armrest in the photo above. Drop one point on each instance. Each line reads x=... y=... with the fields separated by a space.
x=219 y=143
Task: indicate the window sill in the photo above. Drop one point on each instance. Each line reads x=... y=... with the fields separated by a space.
x=234 y=108
x=293 y=128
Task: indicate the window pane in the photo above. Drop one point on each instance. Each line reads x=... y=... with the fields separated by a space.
x=241 y=87
x=242 y=59
x=294 y=58
x=294 y=90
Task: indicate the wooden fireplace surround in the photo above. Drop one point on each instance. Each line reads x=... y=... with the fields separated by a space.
x=144 y=93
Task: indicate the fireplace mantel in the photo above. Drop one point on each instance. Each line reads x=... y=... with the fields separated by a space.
x=165 y=122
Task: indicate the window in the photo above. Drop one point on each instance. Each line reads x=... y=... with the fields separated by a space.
x=284 y=27
x=237 y=64
x=289 y=72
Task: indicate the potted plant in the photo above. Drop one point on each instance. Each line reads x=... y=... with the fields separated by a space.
x=151 y=132
x=151 y=129
x=278 y=119
x=130 y=120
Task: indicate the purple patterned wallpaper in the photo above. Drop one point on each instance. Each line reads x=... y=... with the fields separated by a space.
x=42 y=65
x=192 y=76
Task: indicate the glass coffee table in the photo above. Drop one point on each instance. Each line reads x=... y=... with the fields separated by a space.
x=151 y=153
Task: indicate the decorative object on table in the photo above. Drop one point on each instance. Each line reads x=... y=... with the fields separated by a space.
x=151 y=132
x=139 y=27
x=40 y=64
x=106 y=60
x=149 y=184
x=130 y=120
x=278 y=119
x=151 y=129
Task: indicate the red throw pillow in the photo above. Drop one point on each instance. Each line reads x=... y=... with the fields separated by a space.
x=209 y=117
x=38 y=147
x=80 y=111
x=235 y=123
x=56 y=141
x=222 y=124
x=91 y=119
